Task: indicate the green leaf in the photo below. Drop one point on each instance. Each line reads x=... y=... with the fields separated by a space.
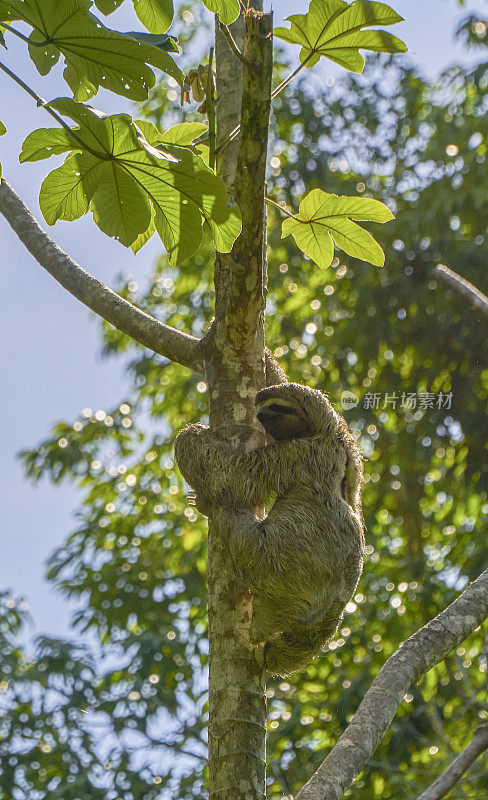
x=108 y=6
x=3 y=129
x=66 y=192
x=228 y=10
x=162 y=40
x=94 y=55
x=333 y=28
x=155 y=15
x=182 y=135
x=120 y=206
x=131 y=185
x=144 y=237
x=186 y=134
x=93 y=133
x=326 y=218
x=46 y=142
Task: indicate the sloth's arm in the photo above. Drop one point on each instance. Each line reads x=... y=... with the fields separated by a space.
x=227 y=478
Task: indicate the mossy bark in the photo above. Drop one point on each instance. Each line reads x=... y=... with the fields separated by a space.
x=235 y=369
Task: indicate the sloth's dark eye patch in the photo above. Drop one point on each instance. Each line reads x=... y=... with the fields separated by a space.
x=277 y=409
x=343 y=488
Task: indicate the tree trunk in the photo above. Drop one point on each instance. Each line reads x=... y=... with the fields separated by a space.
x=234 y=360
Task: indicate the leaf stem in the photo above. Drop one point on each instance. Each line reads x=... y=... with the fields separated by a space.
x=26 y=39
x=284 y=83
x=283 y=210
x=18 y=33
x=44 y=104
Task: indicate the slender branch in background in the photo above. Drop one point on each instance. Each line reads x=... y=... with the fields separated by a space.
x=279 y=778
x=43 y=104
x=475 y=298
x=426 y=648
x=227 y=33
x=145 y=329
x=456 y=770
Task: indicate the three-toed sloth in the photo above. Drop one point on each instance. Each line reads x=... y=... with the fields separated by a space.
x=303 y=561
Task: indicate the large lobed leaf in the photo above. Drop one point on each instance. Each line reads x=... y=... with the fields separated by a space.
x=94 y=55
x=133 y=185
x=333 y=28
x=326 y=218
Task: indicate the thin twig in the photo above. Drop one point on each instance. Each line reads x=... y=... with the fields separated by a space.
x=145 y=329
x=279 y=778
x=475 y=298
x=284 y=83
x=21 y=35
x=226 y=31
x=280 y=208
x=459 y=766
x=44 y=104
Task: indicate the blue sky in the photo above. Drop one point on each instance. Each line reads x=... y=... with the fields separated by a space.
x=50 y=363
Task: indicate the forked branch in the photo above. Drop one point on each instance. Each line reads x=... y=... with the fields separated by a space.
x=426 y=648
x=145 y=329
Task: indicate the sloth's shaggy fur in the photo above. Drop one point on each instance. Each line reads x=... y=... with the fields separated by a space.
x=303 y=561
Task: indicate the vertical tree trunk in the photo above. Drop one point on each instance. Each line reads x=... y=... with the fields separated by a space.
x=235 y=372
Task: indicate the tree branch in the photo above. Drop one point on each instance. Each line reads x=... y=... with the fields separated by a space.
x=475 y=298
x=456 y=770
x=426 y=648
x=145 y=329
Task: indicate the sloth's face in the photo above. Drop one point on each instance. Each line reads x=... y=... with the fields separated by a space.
x=282 y=420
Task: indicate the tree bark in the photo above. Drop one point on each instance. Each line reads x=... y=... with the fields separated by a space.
x=234 y=361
